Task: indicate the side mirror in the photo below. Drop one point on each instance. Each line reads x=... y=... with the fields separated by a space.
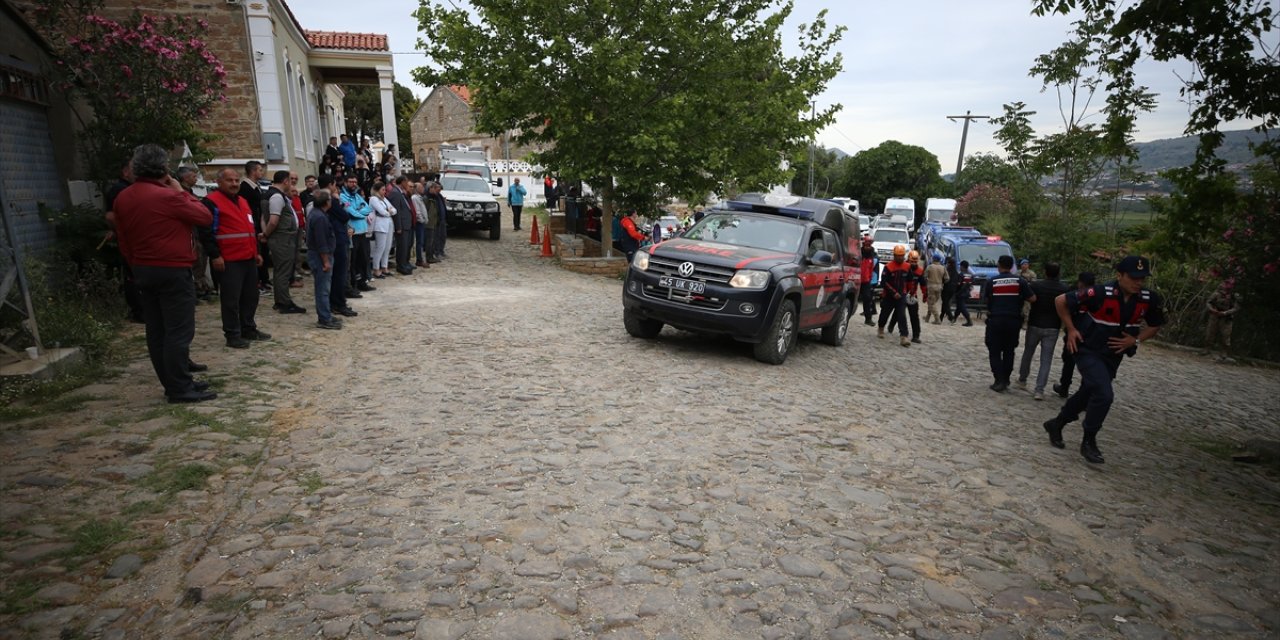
x=822 y=259
x=498 y=182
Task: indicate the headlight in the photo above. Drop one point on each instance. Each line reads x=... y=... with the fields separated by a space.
x=455 y=206
x=641 y=261
x=490 y=206
x=749 y=279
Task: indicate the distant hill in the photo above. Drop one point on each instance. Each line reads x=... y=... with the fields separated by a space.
x=1170 y=153
x=840 y=154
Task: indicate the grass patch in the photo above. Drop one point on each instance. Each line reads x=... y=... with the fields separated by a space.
x=171 y=480
x=226 y=603
x=96 y=536
x=18 y=597
x=311 y=482
x=146 y=507
x=1220 y=449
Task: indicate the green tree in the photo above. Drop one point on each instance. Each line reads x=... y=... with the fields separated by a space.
x=686 y=96
x=363 y=108
x=893 y=169
x=827 y=171
x=986 y=168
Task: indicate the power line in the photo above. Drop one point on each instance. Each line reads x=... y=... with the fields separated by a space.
x=964 y=136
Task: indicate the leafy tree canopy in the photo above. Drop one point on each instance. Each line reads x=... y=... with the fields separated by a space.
x=692 y=95
x=890 y=170
x=363 y=107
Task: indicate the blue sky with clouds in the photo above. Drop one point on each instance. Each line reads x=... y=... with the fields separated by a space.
x=907 y=65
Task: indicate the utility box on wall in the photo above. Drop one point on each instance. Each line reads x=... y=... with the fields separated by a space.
x=273 y=146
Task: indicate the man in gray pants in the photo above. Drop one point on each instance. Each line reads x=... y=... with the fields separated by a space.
x=1042 y=328
x=280 y=230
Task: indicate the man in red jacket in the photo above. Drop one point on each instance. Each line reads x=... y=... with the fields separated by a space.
x=233 y=251
x=154 y=222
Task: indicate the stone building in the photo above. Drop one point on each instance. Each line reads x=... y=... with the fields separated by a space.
x=283 y=93
x=446 y=116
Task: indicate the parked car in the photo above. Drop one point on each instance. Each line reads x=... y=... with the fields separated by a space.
x=670 y=226
x=471 y=205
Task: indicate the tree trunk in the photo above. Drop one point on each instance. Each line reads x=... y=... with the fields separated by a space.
x=606 y=217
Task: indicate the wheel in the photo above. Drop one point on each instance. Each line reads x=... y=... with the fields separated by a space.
x=639 y=326
x=495 y=231
x=834 y=333
x=781 y=337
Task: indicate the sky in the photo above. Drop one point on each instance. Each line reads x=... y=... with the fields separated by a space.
x=908 y=64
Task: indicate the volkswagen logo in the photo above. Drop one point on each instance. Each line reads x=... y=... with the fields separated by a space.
x=686 y=269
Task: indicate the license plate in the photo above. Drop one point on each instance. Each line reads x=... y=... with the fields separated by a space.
x=975 y=293
x=677 y=284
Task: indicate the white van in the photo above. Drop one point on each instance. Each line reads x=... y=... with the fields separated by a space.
x=850 y=204
x=940 y=210
x=901 y=209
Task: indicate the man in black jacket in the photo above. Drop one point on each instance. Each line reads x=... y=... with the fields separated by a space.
x=403 y=222
x=1042 y=328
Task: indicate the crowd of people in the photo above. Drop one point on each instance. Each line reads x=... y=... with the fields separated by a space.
x=244 y=240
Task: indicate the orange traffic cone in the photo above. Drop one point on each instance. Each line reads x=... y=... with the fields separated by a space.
x=546 y=242
x=533 y=233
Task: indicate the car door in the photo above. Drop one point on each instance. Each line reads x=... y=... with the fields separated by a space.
x=822 y=283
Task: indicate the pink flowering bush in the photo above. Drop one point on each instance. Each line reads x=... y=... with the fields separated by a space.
x=148 y=78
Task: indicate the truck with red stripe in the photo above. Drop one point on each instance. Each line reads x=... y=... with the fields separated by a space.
x=761 y=269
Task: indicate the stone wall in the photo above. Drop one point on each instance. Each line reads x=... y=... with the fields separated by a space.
x=609 y=267
x=445 y=118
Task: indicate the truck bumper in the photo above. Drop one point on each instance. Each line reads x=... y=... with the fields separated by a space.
x=739 y=314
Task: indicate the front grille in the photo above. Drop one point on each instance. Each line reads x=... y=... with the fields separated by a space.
x=703 y=272
x=703 y=301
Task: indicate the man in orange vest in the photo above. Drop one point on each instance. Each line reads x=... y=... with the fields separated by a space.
x=232 y=245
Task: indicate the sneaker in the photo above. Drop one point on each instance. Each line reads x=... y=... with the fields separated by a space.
x=331 y=324
x=237 y=343
x=905 y=341
x=1022 y=384
x=258 y=335
x=1039 y=395
x=1060 y=390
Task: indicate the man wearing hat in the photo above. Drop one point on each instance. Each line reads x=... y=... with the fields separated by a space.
x=868 y=277
x=894 y=281
x=1104 y=323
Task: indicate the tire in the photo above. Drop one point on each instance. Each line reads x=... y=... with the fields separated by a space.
x=781 y=336
x=639 y=326
x=495 y=231
x=834 y=334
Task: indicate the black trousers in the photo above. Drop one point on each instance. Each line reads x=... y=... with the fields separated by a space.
x=962 y=306
x=948 y=292
x=264 y=272
x=912 y=311
x=1002 y=342
x=168 y=296
x=404 y=250
x=1068 y=366
x=516 y=209
x=867 y=294
x=360 y=268
x=339 y=270
x=130 y=290
x=239 y=298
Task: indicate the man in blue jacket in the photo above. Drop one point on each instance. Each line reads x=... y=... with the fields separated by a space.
x=348 y=151
x=515 y=199
x=359 y=211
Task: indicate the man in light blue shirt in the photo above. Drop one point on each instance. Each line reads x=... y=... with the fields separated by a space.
x=359 y=211
x=515 y=199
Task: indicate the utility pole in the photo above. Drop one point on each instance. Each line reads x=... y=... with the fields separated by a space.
x=964 y=136
x=814 y=108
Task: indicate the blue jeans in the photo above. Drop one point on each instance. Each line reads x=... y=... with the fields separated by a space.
x=1046 y=340
x=324 y=281
x=1095 y=396
x=420 y=246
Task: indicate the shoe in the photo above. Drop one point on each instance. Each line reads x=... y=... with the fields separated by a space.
x=364 y=286
x=880 y=332
x=1089 y=449
x=1022 y=384
x=354 y=294
x=916 y=340
x=192 y=396
x=997 y=387
x=968 y=324
x=938 y=321
x=332 y=324
x=237 y=343
x=433 y=260
x=405 y=272
x=196 y=367
x=200 y=385
x=424 y=265
x=290 y=309
x=346 y=311
x=1039 y=395
x=1053 y=427
x=380 y=276
x=259 y=335
x=870 y=323
x=1060 y=390
x=905 y=341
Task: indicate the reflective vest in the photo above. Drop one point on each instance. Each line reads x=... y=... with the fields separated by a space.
x=1103 y=315
x=233 y=227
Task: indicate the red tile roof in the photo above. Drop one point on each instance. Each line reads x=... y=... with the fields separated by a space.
x=344 y=40
x=463 y=92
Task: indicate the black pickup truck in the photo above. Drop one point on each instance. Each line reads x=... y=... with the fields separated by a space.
x=761 y=269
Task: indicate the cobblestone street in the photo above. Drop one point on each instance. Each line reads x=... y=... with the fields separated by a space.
x=485 y=454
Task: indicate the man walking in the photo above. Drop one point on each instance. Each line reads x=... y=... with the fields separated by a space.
x=280 y=233
x=321 y=241
x=1223 y=306
x=1042 y=328
x=893 y=284
x=403 y=224
x=868 y=279
x=1083 y=283
x=1004 y=294
x=936 y=276
x=232 y=245
x=964 y=288
x=515 y=199
x=1104 y=324
x=155 y=220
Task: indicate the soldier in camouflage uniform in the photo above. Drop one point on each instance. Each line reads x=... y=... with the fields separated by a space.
x=1223 y=306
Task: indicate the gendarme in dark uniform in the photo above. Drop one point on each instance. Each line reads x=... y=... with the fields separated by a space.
x=1104 y=324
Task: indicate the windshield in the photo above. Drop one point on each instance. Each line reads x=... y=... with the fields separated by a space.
x=669 y=221
x=983 y=255
x=943 y=215
x=900 y=213
x=761 y=233
x=898 y=236
x=468 y=184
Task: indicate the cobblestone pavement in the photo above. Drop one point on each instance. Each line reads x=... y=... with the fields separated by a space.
x=485 y=453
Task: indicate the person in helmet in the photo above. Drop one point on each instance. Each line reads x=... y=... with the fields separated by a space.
x=869 y=278
x=893 y=282
x=915 y=286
